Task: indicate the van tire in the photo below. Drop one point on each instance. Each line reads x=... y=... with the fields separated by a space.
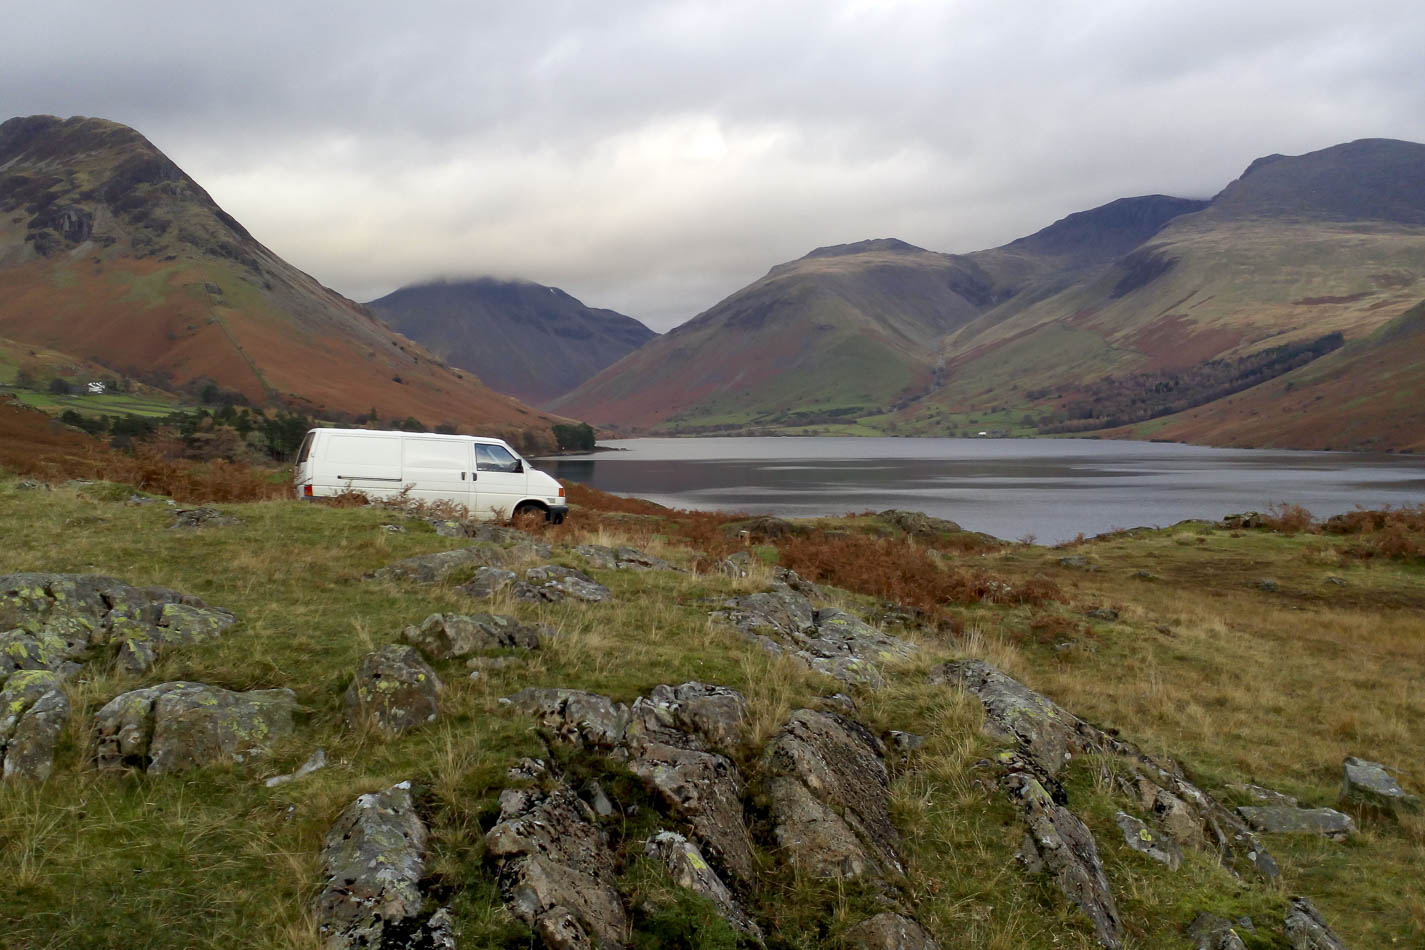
x=529 y=507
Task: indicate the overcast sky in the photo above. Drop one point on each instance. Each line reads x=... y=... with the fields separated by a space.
x=654 y=157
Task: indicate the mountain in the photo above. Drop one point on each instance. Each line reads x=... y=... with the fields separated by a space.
x=522 y=338
x=1115 y=319
x=848 y=330
x=843 y=330
x=111 y=253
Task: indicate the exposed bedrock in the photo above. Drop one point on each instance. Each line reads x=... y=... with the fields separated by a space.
x=556 y=871
x=181 y=725
x=33 y=711
x=60 y=621
x=373 y=860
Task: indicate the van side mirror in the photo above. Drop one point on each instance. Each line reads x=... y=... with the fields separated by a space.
x=519 y=465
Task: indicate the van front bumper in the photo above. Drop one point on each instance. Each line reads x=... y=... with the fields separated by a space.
x=556 y=514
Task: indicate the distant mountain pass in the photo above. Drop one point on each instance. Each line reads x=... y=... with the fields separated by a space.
x=522 y=338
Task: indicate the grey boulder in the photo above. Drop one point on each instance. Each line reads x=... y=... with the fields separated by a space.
x=553 y=583
x=1278 y=819
x=556 y=871
x=1144 y=840
x=182 y=725
x=1371 y=784
x=395 y=688
x=576 y=716
x=373 y=860
x=448 y=636
x=1211 y=932
x=689 y=870
x=829 y=797
x=33 y=711
x=889 y=931
x=1306 y=929
x=621 y=558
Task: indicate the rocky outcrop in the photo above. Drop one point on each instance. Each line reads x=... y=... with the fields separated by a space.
x=1211 y=932
x=556 y=871
x=1285 y=820
x=712 y=714
x=373 y=860
x=434 y=568
x=918 y=524
x=202 y=518
x=552 y=583
x=58 y=622
x=1048 y=736
x=33 y=711
x=450 y=636
x=1306 y=929
x=1058 y=843
x=1370 y=784
x=621 y=559
x=829 y=794
x=395 y=689
x=487 y=582
x=889 y=931
x=1157 y=845
x=831 y=641
x=575 y=716
x=688 y=869
x=182 y=725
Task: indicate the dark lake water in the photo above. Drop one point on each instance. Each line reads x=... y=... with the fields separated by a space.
x=1050 y=488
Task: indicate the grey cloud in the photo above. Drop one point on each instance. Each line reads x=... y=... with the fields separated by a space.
x=655 y=156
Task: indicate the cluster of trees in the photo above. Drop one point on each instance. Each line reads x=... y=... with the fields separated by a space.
x=1122 y=400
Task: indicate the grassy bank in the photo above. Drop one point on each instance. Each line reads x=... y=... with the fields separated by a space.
x=1169 y=636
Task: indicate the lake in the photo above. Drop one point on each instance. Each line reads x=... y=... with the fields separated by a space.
x=1052 y=489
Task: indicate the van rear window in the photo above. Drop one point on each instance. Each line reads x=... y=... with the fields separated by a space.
x=306 y=448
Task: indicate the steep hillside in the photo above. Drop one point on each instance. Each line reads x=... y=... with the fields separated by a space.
x=522 y=338
x=1295 y=250
x=843 y=331
x=109 y=252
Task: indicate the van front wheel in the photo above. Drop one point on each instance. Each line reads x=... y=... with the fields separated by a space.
x=528 y=511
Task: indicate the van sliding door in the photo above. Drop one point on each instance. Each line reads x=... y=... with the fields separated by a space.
x=439 y=470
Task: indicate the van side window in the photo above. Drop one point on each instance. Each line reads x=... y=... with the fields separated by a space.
x=493 y=458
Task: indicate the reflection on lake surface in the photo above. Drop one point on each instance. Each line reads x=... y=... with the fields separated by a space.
x=1050 y=488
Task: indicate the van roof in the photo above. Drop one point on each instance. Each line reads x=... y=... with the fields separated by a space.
x=489 y=440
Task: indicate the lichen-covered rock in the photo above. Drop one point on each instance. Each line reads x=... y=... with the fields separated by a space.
x=373 y=860
x=918 y=524
x=621 y=558
x=829 y=797
x=395 y=688
x=487 y=582
x=553 y=583
x=1013 y=711
x=1048 y=736
x=1371 y=784
x=1277 y=819
x=33 y=711
x=703 y=789
x=1306 y=929
x=448 y=636
x=433 y=568
x=1211 y=932
x=1058 y=843
x=556 y=871
x=183 y=725
x=889 y=931
x=713 y=714
x=689 y=870
x=60 y=621
x=202 y=518
x=1266 y=796
x=576 y=716
x=1144 y=840
x=830 y=640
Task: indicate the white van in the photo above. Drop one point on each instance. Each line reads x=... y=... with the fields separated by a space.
x=485 y=475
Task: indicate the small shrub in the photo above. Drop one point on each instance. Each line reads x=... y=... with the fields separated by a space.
x=1288 y=518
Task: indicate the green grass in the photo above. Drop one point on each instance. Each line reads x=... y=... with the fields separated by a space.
x=109 y=404
x=1245 y=686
